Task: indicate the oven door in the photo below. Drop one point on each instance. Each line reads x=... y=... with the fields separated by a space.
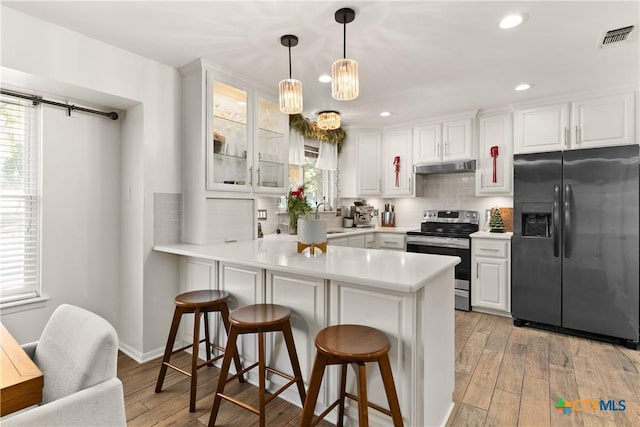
x=459 y=247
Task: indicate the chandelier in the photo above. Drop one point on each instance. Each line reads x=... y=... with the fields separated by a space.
x=290 y=90
x=328 y=120
x=344 y=72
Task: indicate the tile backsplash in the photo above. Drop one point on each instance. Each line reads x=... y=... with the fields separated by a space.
x=167 y=218
x=438 y=192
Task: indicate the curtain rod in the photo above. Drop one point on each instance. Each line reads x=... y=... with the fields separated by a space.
x=39 y=100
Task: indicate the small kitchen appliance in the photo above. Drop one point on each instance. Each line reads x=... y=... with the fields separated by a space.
x=362 y=213
x=448 y=233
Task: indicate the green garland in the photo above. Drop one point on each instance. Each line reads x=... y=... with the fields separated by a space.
x=309 y=129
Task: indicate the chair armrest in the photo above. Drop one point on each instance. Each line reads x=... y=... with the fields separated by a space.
x=30 y=348
x=101 y=405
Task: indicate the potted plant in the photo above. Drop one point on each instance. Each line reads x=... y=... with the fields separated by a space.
x=297 y=205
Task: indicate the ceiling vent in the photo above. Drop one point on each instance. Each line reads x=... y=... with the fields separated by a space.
x=615 y=37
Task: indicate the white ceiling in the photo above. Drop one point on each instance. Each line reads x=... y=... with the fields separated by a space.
x=417 y=58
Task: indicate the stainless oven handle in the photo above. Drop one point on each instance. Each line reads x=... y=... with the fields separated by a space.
x=451 y=245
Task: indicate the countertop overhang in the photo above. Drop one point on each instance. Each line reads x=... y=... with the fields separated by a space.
x=385 y=269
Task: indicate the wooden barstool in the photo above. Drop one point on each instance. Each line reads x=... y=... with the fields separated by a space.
x=258 y=318
x=344 y=344
x=196 y=302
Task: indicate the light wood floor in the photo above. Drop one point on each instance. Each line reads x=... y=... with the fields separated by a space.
x=505 y=376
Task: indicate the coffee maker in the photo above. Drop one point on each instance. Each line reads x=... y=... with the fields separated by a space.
x=362 y=213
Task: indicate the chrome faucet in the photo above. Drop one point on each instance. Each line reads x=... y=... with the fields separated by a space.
x=317 y=207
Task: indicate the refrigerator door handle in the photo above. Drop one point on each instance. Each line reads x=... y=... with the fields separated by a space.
x=556 y=221
x=567 y=221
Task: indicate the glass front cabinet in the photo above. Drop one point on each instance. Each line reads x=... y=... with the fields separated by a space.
x=247 y=139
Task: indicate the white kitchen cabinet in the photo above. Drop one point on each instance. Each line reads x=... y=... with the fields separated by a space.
x=586 y=122
x=491 y=274
x=234 y=143
x=397 y=154
x=426 y=143
x=369 y=163
x=448 y=140
x=603 y=121
x=392 y=313
x=246 y=286
x=494 y=131
x=457 y=139
x=307 y=299
x=541 y=128
x=392 y=241
x=360 y=241
x=338 y=241
x=357 y=241
x=370 y=241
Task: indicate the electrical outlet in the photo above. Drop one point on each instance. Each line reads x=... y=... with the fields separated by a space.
x=338 y=211
x=262 y=214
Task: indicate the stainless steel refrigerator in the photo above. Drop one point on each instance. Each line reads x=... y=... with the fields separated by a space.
x=575 y=241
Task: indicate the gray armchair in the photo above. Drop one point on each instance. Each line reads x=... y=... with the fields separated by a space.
x=77 y=353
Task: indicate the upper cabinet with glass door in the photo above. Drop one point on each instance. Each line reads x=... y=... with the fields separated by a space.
x=271 y=147
x=229 y=145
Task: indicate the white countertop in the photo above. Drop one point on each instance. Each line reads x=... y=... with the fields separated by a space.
x=490 y=235
x=387 y=269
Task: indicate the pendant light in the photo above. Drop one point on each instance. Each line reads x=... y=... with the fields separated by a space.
x=290 y=90
x=328 y=120
x=344 y=72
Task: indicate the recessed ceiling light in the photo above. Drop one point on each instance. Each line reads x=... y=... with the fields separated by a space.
x=511 y=21
x=523 y=86
x=325 y=78
x=385 y=114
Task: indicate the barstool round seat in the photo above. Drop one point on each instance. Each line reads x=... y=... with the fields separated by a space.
x=201 y=299
x=353 y=342
x=259 y=316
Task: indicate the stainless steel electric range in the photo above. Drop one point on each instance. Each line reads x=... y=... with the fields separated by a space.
x=447 y=233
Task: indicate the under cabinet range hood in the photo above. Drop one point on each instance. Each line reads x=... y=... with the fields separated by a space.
x=449 y=167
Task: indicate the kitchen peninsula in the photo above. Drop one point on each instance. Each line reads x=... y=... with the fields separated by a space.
x=409 y=296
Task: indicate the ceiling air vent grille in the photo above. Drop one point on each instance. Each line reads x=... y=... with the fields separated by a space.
x=616 y=36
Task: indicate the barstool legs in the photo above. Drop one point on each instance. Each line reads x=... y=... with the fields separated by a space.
x=309 y=406
x=343 y=393
x=363 y=413
x=390 y=389
x=319 y=365
x=168 y=352
x=194 y=360
x=293 y=357
x=231 y=352
x=224 y=370
x=177 y=314
x=224 y=313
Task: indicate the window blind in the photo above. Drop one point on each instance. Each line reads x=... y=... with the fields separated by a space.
x=19 y=211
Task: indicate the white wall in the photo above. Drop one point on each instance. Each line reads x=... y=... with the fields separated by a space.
x=80 y=218
x=150 y=155
x=81 y=211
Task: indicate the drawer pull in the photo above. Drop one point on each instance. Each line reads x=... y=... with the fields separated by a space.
x=490 y=249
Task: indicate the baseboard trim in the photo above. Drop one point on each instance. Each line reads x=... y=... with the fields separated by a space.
x=140 y=357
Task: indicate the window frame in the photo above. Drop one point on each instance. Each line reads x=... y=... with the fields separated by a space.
x=33 y=293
